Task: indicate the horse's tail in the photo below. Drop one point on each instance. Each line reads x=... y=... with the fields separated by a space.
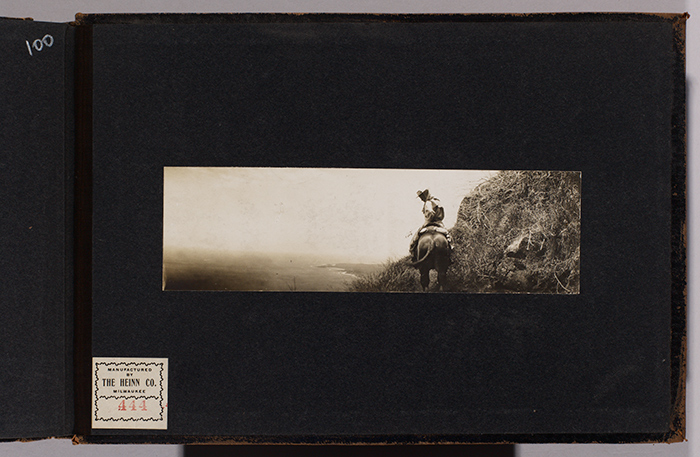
x=422 y=259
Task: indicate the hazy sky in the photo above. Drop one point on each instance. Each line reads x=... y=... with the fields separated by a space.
x=355 y=215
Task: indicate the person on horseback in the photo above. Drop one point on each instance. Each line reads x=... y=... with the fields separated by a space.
x=434 y=213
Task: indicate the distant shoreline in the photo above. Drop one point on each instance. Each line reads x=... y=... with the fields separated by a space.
x=188 y=270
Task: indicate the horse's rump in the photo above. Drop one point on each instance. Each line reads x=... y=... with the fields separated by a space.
x=433 y=253
x=432 y=250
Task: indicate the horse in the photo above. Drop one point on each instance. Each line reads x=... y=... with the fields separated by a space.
x=433 y=253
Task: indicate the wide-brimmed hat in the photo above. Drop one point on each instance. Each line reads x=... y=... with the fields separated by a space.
x=423 y=194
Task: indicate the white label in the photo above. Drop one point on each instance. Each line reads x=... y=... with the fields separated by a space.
x=130 y=393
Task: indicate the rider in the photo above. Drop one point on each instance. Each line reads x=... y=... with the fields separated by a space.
x=434 y=213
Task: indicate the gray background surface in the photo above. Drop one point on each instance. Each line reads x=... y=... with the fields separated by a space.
x=47 y=10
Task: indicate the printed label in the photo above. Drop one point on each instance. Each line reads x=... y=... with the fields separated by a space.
x=130 y=393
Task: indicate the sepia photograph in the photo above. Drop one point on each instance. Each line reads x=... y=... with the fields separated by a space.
x=371 y=230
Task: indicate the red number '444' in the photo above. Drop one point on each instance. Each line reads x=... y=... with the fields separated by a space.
x=132 y=406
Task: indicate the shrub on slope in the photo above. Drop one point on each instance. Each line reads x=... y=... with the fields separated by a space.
x=397 y=276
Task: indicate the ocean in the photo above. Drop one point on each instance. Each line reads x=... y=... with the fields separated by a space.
x=260 y=272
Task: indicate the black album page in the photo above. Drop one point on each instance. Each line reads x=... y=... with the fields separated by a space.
x=358 y=228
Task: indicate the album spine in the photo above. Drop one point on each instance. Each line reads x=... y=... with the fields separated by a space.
x=82 y=227
x=69 y=232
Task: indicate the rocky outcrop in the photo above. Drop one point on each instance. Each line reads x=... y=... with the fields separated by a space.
x=520 y=232
x=526 y=244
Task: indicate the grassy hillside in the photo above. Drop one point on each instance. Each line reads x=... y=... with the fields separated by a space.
x=517 y=232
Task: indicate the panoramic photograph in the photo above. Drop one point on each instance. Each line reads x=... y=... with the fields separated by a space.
x=371 y=230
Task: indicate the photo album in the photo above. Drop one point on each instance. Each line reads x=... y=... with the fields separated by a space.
x=344 y=228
